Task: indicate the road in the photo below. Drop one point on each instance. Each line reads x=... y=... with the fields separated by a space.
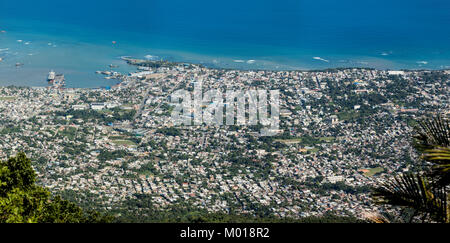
x=147 y=94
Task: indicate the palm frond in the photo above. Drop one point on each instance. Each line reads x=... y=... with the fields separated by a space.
x=375 y=218
x=440 y=157
x=433 y=133
x=415 y=192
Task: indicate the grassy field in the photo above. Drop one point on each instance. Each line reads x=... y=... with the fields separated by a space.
x=347 y=115
x=7 y=98
x=374 y=171
x=289 y=141
x=314 y=150
x=124 y=142
x=299 y=140
x=327 y=139
x=118 y=137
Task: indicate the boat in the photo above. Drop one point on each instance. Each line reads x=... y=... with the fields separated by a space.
x=51 y=76
x=56 y=80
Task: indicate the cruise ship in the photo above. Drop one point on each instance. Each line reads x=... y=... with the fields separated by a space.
x=56 y=80
x=51 y=76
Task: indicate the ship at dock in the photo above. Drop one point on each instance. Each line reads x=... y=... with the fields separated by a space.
x=56 y=80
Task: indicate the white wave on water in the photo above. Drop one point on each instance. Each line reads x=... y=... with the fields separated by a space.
x=321 y=59
x=386 y=53
x=5 y=49
x=151 y=57
x=244 y=61
x=422 y=62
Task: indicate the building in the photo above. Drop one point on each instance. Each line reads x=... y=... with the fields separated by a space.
x=98 y=106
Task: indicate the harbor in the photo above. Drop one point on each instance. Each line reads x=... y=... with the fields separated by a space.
x=56 y=80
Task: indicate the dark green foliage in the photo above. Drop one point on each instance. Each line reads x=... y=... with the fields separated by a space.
x=16 y=173
x=169 y=131
x=106 y=155
x=140 y=210
x=106 y=117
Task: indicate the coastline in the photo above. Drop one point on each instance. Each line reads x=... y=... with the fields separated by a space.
x=77 y=52
x=79 y=60
x=87 y=73
x=135 y=63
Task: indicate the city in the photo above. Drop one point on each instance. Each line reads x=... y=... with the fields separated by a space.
x=342 y=131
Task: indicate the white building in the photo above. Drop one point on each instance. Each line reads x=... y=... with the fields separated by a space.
x=98 y=106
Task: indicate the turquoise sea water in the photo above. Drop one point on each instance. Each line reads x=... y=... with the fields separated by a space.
x=75 y=38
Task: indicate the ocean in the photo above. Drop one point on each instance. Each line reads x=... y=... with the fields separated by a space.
x=80 y=37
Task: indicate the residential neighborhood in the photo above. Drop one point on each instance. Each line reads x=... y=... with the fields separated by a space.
x=341 y=132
